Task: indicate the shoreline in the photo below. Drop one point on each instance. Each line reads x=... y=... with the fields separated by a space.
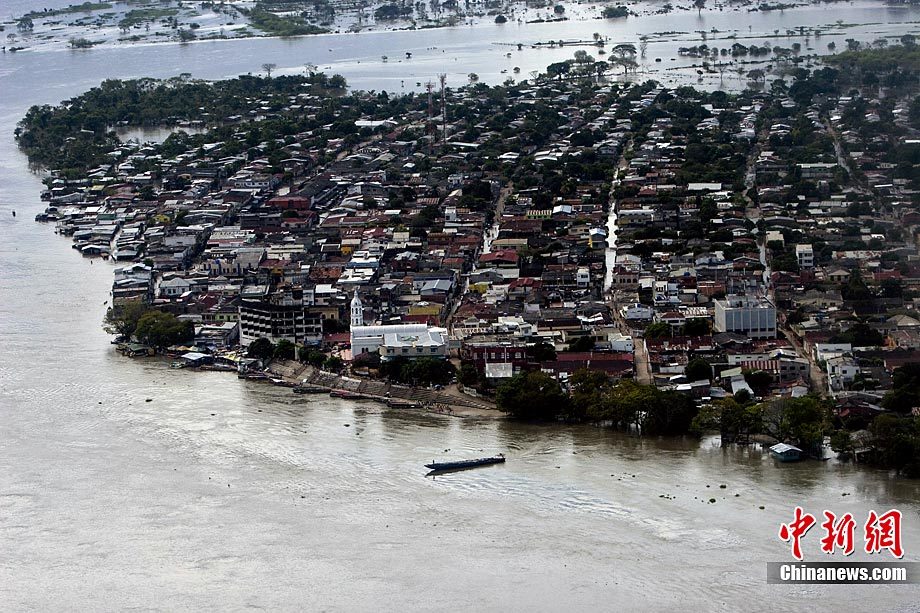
x=294 y=373
x=450 y=401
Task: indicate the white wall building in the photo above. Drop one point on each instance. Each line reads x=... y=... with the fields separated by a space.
x=637 y=312
x=405 y=340
x=805 y=255
x=752 y=316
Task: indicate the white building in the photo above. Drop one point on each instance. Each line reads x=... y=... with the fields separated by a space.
x=427 y=342
x=752 y=316
x=406 y=340
x=637 y=312
x=357 y=311
x=621 y=342
x=841 y=370
x=805 y=255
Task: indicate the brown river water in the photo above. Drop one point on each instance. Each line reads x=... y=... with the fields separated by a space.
x=229 y=495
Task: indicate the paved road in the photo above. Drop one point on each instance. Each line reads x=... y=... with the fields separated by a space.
x=643 y=371
x=817 y=379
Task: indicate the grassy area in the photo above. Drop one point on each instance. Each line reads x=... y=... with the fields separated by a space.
x=272 y=24
x=86 y=7
x=898 y=57
x=138 y=16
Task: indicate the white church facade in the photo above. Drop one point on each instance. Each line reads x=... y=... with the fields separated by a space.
x=401 y=340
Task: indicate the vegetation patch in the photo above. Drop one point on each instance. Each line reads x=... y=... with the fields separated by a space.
x=275 y=25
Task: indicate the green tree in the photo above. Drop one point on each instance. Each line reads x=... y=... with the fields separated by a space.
x=558 y=69
x=855 y=288
x=532 y=395
x=842 y=442
x=159 y=329
x=541 y=352
x=428 y=371
x=733 y=420
x=614 y=12
x=658 y=329
x=759 y=380
x=697 y=326
x=285 y=350
x=582 y=343
x=905 y=392
x=469 y=375
x=313 y=357
x=860 y=334
x=897 y=442
x=333 y=363
x=261 y=349
x=589 y=395
x=698 y=369
x=122 y=320
x=802 y=421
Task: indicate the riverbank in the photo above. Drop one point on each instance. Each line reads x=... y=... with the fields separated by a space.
x=451 y=401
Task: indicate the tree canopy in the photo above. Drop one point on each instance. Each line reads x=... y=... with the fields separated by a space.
x=159 y=329
x=532 y=395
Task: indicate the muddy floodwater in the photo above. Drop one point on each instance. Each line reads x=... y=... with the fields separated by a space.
x=226 y=495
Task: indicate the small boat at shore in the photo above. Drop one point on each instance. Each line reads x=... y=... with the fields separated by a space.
x=464 y=464
x=396 y=403
x=310 y=389
x=345 y=394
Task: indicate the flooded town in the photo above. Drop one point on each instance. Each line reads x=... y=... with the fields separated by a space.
x=659 y=287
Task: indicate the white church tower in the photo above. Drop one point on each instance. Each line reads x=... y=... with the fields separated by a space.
x=357 y=311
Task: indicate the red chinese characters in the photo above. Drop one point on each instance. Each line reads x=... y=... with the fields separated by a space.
x=838 y=534
x=884 y=532
x=881 y=532
x=796 y=529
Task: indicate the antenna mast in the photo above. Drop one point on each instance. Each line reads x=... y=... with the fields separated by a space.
x=443 y=78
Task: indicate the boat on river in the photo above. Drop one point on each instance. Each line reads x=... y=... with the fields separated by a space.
x=310 y=389
x=464 y=464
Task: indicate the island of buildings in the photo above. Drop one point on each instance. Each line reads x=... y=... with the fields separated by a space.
x=552 y=227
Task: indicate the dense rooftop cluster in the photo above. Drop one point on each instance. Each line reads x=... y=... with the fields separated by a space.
x=719 y=247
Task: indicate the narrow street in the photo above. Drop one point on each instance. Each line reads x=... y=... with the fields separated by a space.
x=643 y=372
x=486 y=247
x=817 y=380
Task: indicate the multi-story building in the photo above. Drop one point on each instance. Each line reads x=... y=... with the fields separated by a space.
x=805 y=255
x=755 y=317
x=285 y=314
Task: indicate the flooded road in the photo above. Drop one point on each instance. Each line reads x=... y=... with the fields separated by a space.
x=222 y=494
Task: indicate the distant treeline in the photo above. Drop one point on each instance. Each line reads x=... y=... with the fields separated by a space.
x=76 y=135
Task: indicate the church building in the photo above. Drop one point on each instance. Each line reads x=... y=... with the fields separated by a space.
x=400 y=340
